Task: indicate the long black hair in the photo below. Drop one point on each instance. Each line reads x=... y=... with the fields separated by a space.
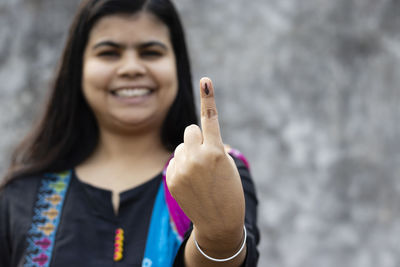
x=67 y=132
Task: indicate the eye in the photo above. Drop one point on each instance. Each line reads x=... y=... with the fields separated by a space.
x=108 y=53
x=151 y=53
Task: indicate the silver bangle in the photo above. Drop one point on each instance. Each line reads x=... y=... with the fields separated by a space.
x=222 y=260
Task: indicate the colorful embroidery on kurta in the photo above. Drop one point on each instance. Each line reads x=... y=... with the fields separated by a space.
x=119 y=244
x=46 y=217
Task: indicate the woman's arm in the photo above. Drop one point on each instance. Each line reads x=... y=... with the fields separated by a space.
x=250 y=220
x=205 y=181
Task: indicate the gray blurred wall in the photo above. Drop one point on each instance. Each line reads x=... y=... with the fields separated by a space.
x=308 y=90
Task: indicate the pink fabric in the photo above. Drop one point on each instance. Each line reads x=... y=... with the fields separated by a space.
x=239 y=155
x=181 y=221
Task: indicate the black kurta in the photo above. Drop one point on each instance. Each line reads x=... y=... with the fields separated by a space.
x=86 y=232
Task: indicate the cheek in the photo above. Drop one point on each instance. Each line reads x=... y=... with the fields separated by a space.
x=168 y=75
x=171 y=91
x=95 y=76
x=95 y=79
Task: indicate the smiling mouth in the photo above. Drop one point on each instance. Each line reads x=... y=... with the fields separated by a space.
x=132 y=92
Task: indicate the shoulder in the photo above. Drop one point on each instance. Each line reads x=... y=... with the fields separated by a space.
x=17 y=199
x=19 y=193
x=21 y=185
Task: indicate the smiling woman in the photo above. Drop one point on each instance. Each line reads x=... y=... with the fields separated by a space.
x=117 y=172
x=129 y=75
x=130 y=82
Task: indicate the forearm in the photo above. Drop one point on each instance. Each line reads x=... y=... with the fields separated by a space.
x=219 y=246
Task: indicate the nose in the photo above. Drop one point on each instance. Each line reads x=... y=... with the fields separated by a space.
x=131 y=66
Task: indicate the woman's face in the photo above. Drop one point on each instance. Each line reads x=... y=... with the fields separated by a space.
x=129 y=72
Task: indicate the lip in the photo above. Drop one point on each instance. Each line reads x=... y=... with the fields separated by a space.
x=137 y=100
x=151 y=88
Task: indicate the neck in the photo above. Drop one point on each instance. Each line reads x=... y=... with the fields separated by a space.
x=121 y=162
x=130 y=149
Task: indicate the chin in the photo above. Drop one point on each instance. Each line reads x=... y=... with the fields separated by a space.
x=136 y=124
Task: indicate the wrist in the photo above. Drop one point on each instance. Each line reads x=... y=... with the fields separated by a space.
x=218 y=232
x=221 y=243
x=241 y=250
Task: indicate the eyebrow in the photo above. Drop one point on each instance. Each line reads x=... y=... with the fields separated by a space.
x=141 y=45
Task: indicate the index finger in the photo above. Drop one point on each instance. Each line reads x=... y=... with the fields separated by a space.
x=209 y=113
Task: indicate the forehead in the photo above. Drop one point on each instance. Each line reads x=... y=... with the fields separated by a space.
x=142 y=26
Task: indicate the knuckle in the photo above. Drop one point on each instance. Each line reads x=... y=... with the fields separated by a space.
x=227 y=148
x=170 y=182
x=192 y=130
x=183 y=171
x=216 y=153
x=179 y=150
x=192 y=127
x=209 y=113
x=194 y=162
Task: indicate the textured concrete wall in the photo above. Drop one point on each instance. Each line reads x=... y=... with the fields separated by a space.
x=308 y=90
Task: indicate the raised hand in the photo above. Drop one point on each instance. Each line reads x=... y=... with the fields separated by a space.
x=204 y=180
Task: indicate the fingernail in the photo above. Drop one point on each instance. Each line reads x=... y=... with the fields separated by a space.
x=206 y=90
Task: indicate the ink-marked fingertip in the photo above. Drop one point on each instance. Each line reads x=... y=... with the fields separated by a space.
x=205 y=84
x=206 y=90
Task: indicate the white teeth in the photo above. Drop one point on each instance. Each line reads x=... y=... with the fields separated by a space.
x=132 y=92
